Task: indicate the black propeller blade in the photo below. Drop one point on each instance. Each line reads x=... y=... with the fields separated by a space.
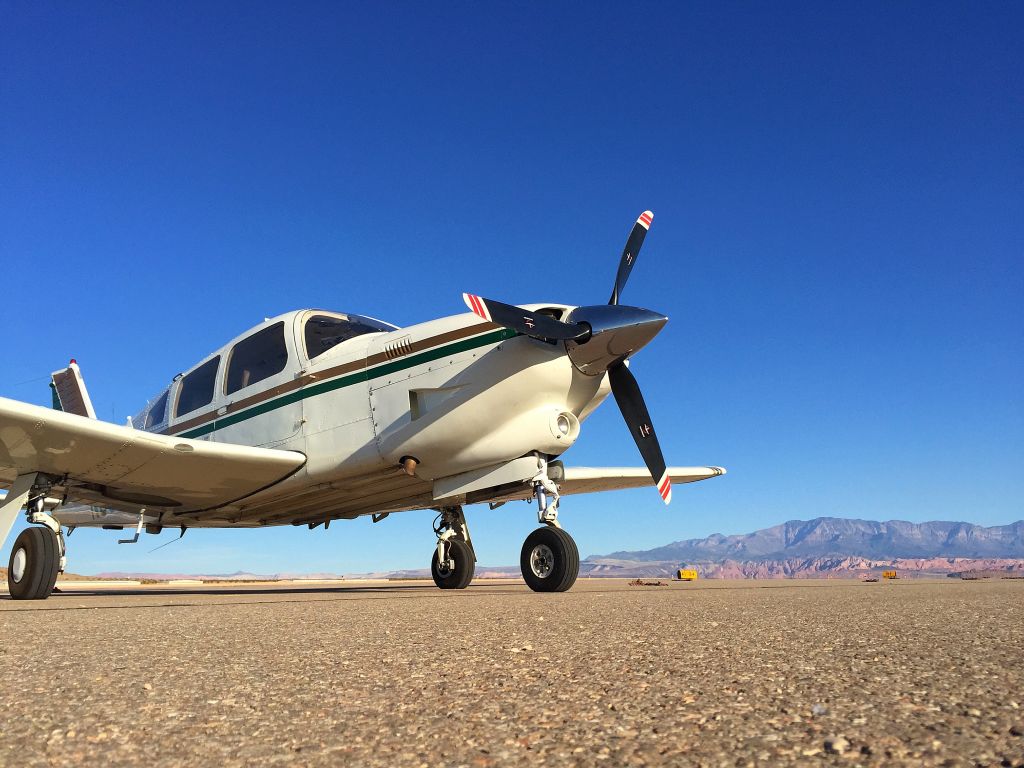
x=523 y=320
x=634 y=411
x=629 y=254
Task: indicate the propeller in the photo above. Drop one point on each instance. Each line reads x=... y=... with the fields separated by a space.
x=523 y=320
x=600 y=339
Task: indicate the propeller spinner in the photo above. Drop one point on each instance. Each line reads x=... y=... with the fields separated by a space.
x=600 y=339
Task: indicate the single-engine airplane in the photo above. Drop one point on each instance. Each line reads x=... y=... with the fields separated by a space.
x=315 y=416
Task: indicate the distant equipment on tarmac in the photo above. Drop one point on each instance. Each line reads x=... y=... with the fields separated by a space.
x=686 y=574
x=317 y=416
x=889 y=575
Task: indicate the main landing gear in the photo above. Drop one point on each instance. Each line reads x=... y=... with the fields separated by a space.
x=454 y=560
x=38 y=553
x=549 y=560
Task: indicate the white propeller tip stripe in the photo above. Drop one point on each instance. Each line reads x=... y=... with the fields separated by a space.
x=645 y=219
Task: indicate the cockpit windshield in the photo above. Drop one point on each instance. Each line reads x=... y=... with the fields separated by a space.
x=323 y=332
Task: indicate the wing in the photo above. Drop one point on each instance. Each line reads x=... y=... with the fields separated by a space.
x=106 y=461
x=594 y=479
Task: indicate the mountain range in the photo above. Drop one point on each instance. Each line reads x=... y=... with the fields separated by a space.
x=833 y=536
x=830 y=546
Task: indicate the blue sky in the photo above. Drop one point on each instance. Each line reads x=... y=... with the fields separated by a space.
x=838 y=240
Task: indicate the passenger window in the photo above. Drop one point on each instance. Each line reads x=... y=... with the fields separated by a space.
x=158 y=412
x=324 y=332
x=256 y=358
x=197 y=388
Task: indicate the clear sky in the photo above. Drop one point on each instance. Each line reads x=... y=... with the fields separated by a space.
x=838 y=241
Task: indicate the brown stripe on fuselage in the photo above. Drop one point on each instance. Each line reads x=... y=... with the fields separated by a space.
x=327 y=373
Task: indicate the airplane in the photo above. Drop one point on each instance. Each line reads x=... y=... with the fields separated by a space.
x=315 y=416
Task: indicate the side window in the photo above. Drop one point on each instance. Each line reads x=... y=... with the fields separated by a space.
x=323 y=332
x=197 y=388
x=158 y=412
x=256 y=358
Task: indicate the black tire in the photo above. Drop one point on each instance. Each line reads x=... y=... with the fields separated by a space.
x=553 y=569
x=35 y=560
x=465 y=565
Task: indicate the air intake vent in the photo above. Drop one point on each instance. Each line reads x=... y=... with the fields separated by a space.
x=398 y=348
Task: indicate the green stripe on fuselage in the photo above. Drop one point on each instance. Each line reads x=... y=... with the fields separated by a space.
x=323 y=387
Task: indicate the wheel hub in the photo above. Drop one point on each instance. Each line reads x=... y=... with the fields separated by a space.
x=18 y=563
x=542 y=561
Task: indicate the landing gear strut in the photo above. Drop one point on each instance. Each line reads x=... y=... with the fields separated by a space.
x=549 y=560
x=454 y=560
x=38 y=553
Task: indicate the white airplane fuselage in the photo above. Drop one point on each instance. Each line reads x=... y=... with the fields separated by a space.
x=455 y=394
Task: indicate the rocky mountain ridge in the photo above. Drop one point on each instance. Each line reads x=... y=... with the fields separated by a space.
x=829 y=537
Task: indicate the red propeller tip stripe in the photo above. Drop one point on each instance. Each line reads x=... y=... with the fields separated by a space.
x=477 y=305
x=645 y=219
x=665 y=488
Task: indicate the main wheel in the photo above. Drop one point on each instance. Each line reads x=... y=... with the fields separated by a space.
x=459 y=576
x=35 y=560
x=550 y=561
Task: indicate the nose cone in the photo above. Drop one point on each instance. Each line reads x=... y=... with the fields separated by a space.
x=617 y=332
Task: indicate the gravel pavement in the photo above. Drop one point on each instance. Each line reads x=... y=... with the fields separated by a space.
x=710 y=673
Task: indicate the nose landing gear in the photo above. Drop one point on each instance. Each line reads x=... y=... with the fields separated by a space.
x=549 y=560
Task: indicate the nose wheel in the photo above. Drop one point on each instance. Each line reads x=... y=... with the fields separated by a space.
x=550 y=560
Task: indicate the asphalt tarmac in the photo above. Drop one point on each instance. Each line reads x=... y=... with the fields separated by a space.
x=402 y=674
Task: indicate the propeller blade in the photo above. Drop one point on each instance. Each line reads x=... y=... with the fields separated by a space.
x=634 y=411
x=629 y=254
x=523 y=320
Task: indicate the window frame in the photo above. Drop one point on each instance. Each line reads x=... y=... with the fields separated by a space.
x=150 y=423
x=216 y=360
x=344 y=317
x=234 y=347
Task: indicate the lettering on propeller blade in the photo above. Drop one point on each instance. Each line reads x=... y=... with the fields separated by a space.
x=645 y=430
x=528 y=321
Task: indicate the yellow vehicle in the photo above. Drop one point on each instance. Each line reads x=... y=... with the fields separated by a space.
x=889 y=575
x=686 y=574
